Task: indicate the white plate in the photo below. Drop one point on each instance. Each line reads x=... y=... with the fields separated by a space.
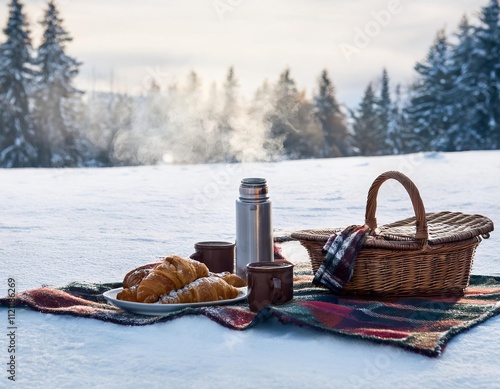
x=157 y=309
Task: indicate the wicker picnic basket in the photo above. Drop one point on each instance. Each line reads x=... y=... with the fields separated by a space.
x=428 y=254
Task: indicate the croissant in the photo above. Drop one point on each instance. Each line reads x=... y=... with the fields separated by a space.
x=131 y=282
x=202 y=290
x=128 y=294
x=171 y=274
x=134 y=277
x=231 y=279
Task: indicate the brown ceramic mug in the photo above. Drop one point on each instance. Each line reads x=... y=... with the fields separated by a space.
x=218 y=256
x=269 y=283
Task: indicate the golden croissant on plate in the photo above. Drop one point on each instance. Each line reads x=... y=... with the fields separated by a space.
x=134 y=277
x=172 y=273
x=132 y=280
x=231 y=279
x=128 y=294
x=202 y=290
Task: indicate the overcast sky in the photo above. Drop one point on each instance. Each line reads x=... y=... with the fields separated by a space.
x=131 y=41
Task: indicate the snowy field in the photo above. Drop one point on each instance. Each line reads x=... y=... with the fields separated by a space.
x=64 y=225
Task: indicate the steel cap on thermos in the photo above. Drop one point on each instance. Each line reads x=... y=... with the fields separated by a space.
x=254 y=189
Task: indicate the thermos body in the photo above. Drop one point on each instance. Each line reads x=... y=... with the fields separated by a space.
x=254 y=234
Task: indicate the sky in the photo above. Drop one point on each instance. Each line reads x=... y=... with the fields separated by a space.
x=125 y=44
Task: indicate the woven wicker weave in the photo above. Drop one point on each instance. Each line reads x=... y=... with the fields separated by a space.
x=428 y=254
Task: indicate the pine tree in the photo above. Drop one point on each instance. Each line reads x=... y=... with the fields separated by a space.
x=54 y=109
x=486 y=63
x=260 y=111
x=262 y=102
x=286 y=101
x=463 y=134
x=430 y=109
x=331 y=118
x=213 y=101
x=109 y=122
x=210 y=126
x=17 y=142
x=201 y=128
x=193 y=84
x=150 y=126
x=366 y=123
x=284 y=116
x=384 y=109
x=231 y=86
x=401 y=137
x=230 y=111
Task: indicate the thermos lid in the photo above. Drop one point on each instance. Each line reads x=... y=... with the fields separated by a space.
x=254 y=189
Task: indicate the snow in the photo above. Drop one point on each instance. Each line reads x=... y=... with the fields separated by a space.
x=62 y=225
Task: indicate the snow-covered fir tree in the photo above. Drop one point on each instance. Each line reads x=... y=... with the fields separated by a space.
x=212 y=110
x=462 y=134
x=486 y=65
x=384 y=110
x=17 y=137
x=331 y=118
x=230 y=110
x=196 y=129
x=365 y=124
x=284 y=115
x=262 y=102
x=398 y=131
x=54 y=99
x=249 y=139
x=152 y=126
x=200 y=132
x=260 y=110
x=231 y=98
x=109 y=124
x=430 y=109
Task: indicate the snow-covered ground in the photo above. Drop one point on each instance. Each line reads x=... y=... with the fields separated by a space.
x=62 y=225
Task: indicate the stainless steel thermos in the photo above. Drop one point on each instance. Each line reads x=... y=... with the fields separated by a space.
x=254 y=232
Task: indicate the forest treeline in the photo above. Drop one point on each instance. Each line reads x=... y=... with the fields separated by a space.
x=453 y=105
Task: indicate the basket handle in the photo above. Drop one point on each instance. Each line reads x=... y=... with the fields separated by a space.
x=422 y=234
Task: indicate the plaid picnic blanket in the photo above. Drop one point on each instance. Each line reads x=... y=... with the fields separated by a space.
x=422 y=325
